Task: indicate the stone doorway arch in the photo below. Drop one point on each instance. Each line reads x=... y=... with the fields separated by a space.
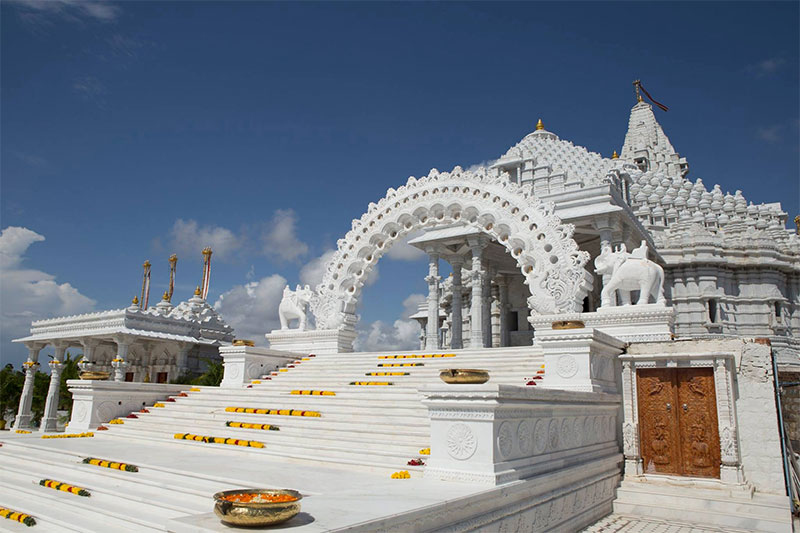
x=542 y=245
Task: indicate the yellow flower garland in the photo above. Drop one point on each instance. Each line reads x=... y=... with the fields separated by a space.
x=64 y=487
x=17 y=516
x=110 y=464
x=194 y=389
x=313 y=392
x=22 y=431
x=387 y=374
x=282 y=412
x=158 y=404
x=431 y=356
x=371 y=383
x=219 y=440
x=400 y=364
x=116 y=421
x=248 y=425
x=68 y=435
x=425 y=451
x=403 y=474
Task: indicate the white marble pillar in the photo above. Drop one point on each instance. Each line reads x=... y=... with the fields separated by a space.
x=23 y=419
x=182 y=360
x=487 y=310
x=456 y=340
x=50 y=418
x=120 y=363
x=502 y=283
x=476 y=312
x=433 y=279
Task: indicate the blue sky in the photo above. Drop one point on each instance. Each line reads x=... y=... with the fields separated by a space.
x=131 y=130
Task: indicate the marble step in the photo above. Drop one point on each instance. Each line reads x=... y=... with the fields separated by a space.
x=100 y=512
x=120 y=487
x=363 y=439
x=384 y=434
x=322 y=449
x=383 y=465
x=762 y=513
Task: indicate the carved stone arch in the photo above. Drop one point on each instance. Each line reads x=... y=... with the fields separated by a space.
x=546 y=254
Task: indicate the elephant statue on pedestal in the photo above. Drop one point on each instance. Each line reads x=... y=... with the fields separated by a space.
x=294 y=305
x=627 y=272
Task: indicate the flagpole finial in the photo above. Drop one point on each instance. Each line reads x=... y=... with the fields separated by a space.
x=636 y=85
x=173 y=258
x=207 y=250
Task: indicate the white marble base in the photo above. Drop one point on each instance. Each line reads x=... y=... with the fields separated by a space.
x=629 y=323
x=582 y=359
x=315 y=341
x=245 y=363
x=97 y=402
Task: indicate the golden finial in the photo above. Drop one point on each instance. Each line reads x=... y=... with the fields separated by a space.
x=166 y=296
x=146 y=263
x=614 y=155
x=207 y=250
x=135 y=300
x=197 y=291
x=540 y=125
x=173 y=258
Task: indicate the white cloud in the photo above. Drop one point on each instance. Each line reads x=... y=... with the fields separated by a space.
x=766 y=67
x=187 y=236
x=43 y=11
x=28 y=295
x=403 y=334
x=313 y=271
x=252 y=308
x=280 y=239
x=88 y=87
x=770 y=134
x=402 y=251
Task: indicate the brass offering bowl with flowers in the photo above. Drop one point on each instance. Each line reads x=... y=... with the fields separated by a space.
x=94 y=375
x=463 y=376
x=256 y=507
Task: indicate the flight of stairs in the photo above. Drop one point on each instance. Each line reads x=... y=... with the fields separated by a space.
x=364 y=428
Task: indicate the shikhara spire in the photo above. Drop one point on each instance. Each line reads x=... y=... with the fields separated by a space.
x=648 y=146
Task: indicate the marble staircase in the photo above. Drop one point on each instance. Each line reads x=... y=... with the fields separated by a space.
x=373 y=429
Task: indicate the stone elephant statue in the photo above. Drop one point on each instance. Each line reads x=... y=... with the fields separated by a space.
x=627 y=272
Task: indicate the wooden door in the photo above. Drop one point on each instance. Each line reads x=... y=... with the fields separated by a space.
x=658 y=421
x=697 y=414
x=678 y=421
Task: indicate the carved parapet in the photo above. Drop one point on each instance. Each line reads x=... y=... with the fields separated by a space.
x=243 y=364
x=318 y=341
x=493 y=434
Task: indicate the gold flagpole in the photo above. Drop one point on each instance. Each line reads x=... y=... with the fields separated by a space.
x=173 y=263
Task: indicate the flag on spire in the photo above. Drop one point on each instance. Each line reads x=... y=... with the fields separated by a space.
x=145 y=286
x=638 y=85
x=206 y=272
x=173 y=263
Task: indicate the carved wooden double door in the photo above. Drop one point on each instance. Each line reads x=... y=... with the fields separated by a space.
x=678 y=421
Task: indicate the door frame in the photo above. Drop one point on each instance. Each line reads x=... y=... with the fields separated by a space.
x=722 y=363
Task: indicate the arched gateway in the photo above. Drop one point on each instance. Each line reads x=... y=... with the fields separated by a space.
x=547 y=256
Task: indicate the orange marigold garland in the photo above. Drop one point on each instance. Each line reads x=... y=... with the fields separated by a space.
x=110 y=464
x=400 y=364
x=313 y=392
x=64 y=487
x=282 y=412
x=247 y=425
x=371 y=383
x=68 y=435
x=219 y=440
x=17 y=516
x=387 y=374
x=431 y=356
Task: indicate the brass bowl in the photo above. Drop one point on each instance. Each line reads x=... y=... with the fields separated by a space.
x=94 y=375
x=568 y=324
x=243 y=342
x=464 y=376
x=256 y=514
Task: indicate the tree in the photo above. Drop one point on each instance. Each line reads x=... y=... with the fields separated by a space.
x=69 y=370
x=11 y=382
x=211 y=377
